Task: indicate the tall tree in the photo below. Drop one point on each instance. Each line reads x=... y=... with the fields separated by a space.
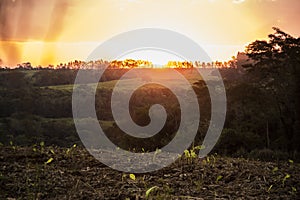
x=275 y=68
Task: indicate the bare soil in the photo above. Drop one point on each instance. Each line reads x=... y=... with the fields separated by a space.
x=60 y=173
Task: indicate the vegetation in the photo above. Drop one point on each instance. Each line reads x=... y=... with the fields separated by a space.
x=276 y=69
x=32 y=112
x=38 y=136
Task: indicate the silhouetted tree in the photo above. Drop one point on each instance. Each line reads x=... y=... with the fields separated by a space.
x=276 y=69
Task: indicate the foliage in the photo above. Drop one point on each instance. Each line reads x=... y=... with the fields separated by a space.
x=268 y=155
x=34 y=107
x=276 y=69
x=231 y=141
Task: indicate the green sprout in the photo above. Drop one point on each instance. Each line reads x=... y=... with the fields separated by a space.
x=294 y=190
x=52 y=151
x=187 y=153
x=207 y=159
x=269 y=189
x=123 y=177
x=219 y=178
x=150 y=190
x=12 y=145
x=199 y=147
x=34 y=149
x=287 y=176
x=132 y=176
x=42 y=145
x=69 y=150
x=49 y=161
x=275 y=169
x=193 y=153
x=291 y=161
x=157 y=151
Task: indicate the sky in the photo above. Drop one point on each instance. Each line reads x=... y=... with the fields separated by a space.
x=52 y=31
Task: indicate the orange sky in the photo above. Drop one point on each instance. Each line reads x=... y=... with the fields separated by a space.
x=53 y=31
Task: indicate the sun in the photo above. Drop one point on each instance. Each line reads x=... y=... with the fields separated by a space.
x=159 y=58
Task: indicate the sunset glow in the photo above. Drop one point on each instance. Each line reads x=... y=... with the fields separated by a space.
x=58 y=31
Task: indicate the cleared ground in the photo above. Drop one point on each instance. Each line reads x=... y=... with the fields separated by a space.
x=40 y=172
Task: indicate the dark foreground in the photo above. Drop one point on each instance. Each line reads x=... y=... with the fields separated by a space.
x=58 y=173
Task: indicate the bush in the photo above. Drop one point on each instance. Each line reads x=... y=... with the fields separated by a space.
x=268 y=155
x=232 y=141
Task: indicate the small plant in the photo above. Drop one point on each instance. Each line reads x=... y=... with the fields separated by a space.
x=294 y=190
x=12 y=145
x=291 y=161
x=187 y=153
x=42 y=145
x=207 y=159
x=157 y=151
x=269 y=189
x=199 y=147
x=287 y=176
x=150 y=190
x=275 y=169
x=214 y=159
x=34 y=149
x=219 y=178
x=191 y=154
x=70 y=150
x=123 y=177
x=39 y=148
x=132 y=176
x=52 y=151
x=49 y=161
x=188 y=156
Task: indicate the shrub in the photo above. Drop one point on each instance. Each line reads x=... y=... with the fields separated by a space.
x=268 y=155
x=232 y=141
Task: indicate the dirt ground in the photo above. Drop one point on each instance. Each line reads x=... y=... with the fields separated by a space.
x=40 y=172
